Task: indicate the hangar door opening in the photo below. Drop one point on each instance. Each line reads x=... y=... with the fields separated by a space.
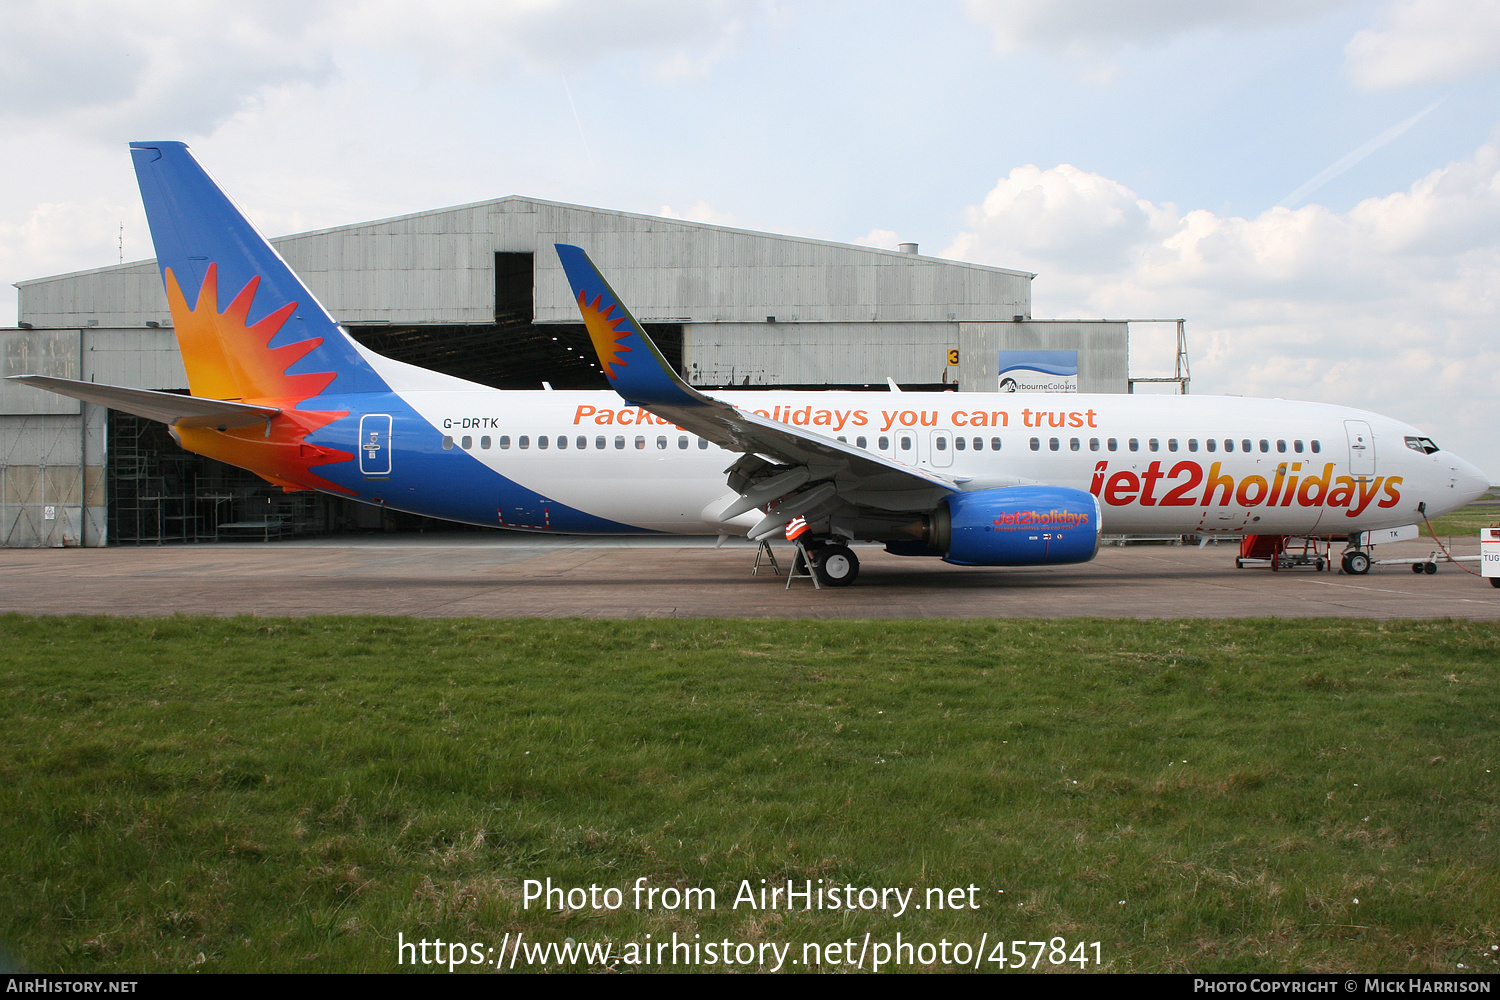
x=513 y=352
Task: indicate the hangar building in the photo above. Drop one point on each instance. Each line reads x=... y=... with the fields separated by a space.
x=477 y=291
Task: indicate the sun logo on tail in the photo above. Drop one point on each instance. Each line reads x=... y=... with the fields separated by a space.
x=605 y=332
x=226 y=358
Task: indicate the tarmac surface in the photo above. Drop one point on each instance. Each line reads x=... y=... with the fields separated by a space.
x=502 y=576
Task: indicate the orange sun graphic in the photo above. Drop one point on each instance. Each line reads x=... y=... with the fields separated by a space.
x=605 y=333
x=226 y=359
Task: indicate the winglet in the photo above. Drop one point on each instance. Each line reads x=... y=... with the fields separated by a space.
x=631 y=362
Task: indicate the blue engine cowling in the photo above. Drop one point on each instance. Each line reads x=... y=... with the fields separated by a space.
x=1016 y=526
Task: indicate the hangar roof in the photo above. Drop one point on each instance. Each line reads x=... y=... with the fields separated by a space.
x=439 y=267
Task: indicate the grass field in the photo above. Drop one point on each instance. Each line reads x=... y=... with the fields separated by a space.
x=256 y=794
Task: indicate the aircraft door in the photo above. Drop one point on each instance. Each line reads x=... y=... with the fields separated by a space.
x=1361 y=448
x=375 y=445
x=941 y=453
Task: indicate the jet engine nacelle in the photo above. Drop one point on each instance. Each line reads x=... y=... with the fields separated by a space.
x=1016 y=526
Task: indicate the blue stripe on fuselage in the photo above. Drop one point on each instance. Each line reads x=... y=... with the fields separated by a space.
x=427 y=479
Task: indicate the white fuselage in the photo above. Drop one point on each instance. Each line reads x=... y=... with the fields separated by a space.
x=1170 y=464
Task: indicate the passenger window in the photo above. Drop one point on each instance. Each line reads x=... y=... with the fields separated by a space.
x=661 y=443
x=1192 y=444
x=1154 y=444
x=1213 y=444
x=942 y=443
x=1245 y=444
x=562 y=440
x=619 y=442
x=1093 y=444
x=1280 y=445
x=505 y=440
x=884 y=443
x=703 y=444
x=1264 y=445
x=1229 y=444
x=1113 y=444
x=484 y=442
x=541 y=441
x=959 y=444
x=1073 y=444
x=1317 y=447
x=466 y=443
x=994 y=444
x=1171 y=444
x=905 y=442
x=581 y=443
x=640 y=442
x=1297 y=446
x=447 y=442
x=843 y=440
x=1036 y=444
x=859 y=442
x=1053 y=443
x=523 y=441
x=1135 y=444
x=682 y=443
x=600 y=442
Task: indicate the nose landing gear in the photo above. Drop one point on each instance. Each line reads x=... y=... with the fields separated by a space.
x=1356 y=562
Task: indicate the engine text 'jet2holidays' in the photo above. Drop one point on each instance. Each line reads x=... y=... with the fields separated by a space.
x=977 y=479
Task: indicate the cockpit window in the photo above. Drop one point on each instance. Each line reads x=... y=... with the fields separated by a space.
x=1424 y=445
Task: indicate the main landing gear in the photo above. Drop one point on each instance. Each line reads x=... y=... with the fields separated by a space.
x=834 y=564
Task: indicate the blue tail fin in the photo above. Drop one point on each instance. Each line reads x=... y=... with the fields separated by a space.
x=247 y=325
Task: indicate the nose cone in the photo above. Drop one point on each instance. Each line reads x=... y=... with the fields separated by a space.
x=1469 y=484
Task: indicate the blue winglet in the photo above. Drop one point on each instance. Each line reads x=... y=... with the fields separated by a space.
x=631 y=362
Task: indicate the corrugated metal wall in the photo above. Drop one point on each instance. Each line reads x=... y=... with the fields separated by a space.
x=818 y=353
x=53 y=448
x=438 y=267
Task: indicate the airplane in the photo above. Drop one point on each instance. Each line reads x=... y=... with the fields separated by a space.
x=976 y=479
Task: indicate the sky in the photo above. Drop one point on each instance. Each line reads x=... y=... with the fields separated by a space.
x=1314 y=185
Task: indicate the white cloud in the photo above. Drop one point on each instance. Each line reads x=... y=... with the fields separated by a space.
x=153 y=68
x=884 y=239
x=1092 y=222
x=1426 y=41
x=136 y=67
x=701 y=211
x=1099 y=26
x=480 y=38
x=1393 y=305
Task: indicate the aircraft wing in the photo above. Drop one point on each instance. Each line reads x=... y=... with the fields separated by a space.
x=168 y=407
x=639 y=373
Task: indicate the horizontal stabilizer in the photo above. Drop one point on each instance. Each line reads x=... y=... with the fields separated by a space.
x=168 y=407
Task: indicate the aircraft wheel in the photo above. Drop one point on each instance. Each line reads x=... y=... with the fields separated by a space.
x=835 y=565
x=1357 y=563
x=1495 y=581
x=1416 y=567
x=1430 y=568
